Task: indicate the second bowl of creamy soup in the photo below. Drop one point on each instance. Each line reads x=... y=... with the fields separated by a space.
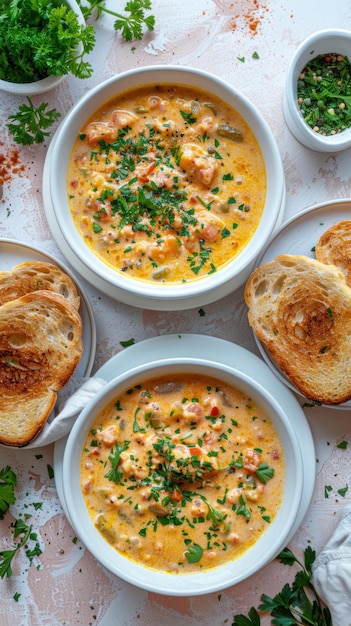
x=165 y=184
x=182 y=476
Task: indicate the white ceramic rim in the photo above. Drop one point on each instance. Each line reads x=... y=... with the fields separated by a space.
x=210 y=581
x=320 y=42
x=167 y=74
x=31 y=89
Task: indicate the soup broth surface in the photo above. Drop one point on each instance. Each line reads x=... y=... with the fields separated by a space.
x=182 y=472
x=166 y=183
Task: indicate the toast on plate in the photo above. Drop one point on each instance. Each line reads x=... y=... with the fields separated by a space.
x=334 y=247
x=34 y=276
x=40 y=347
x=300 y=309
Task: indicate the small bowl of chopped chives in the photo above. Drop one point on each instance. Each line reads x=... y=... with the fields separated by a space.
x=317 y=96
x=38 y=45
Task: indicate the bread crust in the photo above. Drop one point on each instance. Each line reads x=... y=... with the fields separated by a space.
x=334 y=247
x=34 y=276
x=40 y=348
x=300 y=309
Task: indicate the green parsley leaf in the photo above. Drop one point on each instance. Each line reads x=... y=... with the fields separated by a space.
x=31 y=123
x=343 y=491
x=253 y=619
x=131 y=26
x=128 y=342
x=114 y=475
x=242 y=509
x=194 y=553
x=264 y=473
x=327 y=489
x=342 y=445
x=7 y=490
x=188 y=117
x=7 y=556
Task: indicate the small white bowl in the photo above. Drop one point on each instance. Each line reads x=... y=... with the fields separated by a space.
x=145 y=294
x=272 y=541
x=321 y=42
x=45 y=84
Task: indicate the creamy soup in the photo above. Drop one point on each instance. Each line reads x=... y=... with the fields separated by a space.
x=182 y=473
x=166 y=183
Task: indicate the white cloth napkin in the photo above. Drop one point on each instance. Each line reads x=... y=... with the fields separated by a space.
x=332 y=572
x=71 y=400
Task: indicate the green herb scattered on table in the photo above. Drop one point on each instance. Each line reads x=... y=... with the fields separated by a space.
x=38 y=39
x=324 y=93
x=24 y=532
x=127 y=342
x=297 y=603
x=131 y=26
x=29 y=124
x=21 y=530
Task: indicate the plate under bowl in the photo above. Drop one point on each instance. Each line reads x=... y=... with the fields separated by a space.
x=141 y=293
x=271 y=542
x=299 y=235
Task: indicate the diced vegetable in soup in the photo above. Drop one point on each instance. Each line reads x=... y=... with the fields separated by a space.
x=166 y=183
x=182 y=473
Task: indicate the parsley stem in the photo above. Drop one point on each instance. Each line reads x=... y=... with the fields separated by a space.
x=7 y=556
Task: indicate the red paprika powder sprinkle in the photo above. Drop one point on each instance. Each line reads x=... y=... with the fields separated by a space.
x=252 y=13
x=10 y=163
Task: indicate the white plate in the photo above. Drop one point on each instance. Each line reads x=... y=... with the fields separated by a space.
x=211 y=348
x=13 y=253
x=299 y=235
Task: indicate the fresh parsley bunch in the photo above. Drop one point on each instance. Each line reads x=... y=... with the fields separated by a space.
x=296 y=604
x=41 y=38
x=21 y=530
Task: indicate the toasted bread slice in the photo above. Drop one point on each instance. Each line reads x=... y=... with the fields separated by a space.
x=40 y=347
x=34 y=276
x=334 y=247
x=300 y=309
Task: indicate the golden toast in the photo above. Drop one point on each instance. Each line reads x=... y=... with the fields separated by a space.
x=300 y=309
x=34 y=276
x=40 y=347
x=334 y=247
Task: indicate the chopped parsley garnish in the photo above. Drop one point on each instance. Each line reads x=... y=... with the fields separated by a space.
x=324 y=93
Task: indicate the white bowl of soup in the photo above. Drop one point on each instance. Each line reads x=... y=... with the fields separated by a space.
x=183 y=477
x=165 y=184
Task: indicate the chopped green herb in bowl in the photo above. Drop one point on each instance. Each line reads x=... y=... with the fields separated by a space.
x=317 y=95
x=324 y=93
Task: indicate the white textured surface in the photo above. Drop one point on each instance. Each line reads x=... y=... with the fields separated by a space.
x=69 y=587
